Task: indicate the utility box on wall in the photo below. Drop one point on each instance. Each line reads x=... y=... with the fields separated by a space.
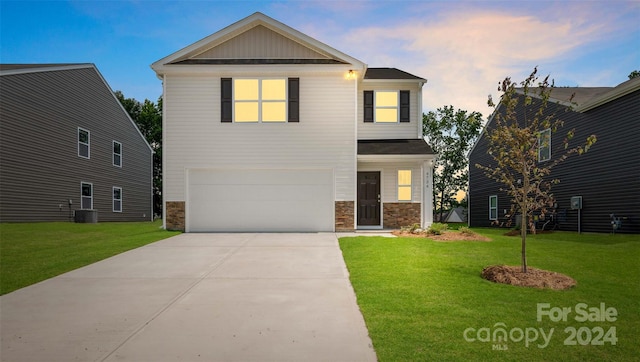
x=576 y=203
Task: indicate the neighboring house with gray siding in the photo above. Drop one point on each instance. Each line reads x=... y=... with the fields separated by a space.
x=607 y=177
x=66 y=144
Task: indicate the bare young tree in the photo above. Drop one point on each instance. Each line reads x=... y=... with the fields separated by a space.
x=522 y=129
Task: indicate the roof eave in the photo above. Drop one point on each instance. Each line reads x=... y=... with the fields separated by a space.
x=255 y=19
x=621 y=90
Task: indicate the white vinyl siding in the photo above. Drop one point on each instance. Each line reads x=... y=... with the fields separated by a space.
x=390 y=130
x=323 y=139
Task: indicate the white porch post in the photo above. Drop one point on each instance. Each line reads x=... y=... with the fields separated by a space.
x=427 y=195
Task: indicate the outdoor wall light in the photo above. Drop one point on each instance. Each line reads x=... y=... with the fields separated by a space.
x=351 y=74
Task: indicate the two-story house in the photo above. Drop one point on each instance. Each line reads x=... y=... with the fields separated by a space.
x=67 y=144
x=598 y=190
x=268 y=129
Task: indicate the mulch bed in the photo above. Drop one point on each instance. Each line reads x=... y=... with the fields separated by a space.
x=451 y=235
x=533 y=278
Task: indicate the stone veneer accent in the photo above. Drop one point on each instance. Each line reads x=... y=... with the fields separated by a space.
x=398 y=214
x=175 y=215
x=344 y=215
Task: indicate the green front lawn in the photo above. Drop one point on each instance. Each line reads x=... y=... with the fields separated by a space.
x=418 y=298
x=33 y=252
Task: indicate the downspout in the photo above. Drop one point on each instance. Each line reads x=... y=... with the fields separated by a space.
x=164 y=153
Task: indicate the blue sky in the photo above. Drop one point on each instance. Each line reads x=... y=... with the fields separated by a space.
x=463 y=48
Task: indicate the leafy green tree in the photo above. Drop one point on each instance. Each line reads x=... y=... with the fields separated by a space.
x=450 y=133
x=148 y=117
x=634 y=74
x=518 y=132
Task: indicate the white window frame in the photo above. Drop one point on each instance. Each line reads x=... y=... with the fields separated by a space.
x=88 y=143
x=410 y=185
x=83 y=197
x=114 y=200
x=118 y=155
x=495 y=208
x=376 y=107
x=260 y=100
x=541 y=145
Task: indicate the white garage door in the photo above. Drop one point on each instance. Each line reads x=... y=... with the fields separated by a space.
x=260 y=200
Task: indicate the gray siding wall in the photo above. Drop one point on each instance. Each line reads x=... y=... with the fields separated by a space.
x=607 y=177
x=40 y=169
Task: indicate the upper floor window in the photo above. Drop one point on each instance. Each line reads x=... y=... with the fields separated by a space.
x=544 y=145
x=84 y=140
x=493 y=207
x=404 y=185
x=270 y=100
x=117 y=154
x=386 y=106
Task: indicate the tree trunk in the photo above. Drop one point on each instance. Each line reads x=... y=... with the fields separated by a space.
x=441 y=205
x=523 y=235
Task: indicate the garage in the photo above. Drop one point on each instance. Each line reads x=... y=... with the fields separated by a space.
x=259 y=200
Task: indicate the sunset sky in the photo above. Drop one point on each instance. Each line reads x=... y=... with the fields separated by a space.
x=463 y=48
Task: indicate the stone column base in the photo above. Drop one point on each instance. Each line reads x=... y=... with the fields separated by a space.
x=175 y=215
x=345 y=216
x=398 y=214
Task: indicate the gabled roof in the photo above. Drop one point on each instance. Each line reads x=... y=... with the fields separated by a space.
x=622 y=89
x=8 y=69
x=251 y=41
x=390 y=73
x=15 y=69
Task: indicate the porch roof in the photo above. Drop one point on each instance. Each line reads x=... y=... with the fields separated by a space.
x=394 y=147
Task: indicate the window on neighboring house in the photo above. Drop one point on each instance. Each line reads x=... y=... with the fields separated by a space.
x=83 y=143
x=386 y=106
x=404 y=185
x=117 y=153
x=117 y=199
x=544 y=145
x=493 y=207
x=86 y=196
x=260 y=100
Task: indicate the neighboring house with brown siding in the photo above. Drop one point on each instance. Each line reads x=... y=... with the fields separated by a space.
x=67 y=144
x=607 y=177
x=268 y=129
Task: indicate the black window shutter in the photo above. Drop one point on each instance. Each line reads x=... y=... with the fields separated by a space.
x=368 y=106
x=404 y=106
x=294 y=100
x=226 y=104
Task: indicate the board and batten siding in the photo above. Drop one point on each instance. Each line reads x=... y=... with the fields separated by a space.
x=260 y=43
x=607 y=176
x=39 y=162
x=195 y=138
x=402 y=130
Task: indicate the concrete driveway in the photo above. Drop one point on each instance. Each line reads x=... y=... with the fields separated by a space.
x=195 y=297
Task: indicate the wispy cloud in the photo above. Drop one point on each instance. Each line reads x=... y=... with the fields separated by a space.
x=464 y=54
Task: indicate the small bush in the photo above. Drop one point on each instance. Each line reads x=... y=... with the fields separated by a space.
x=410 y=229
x=438 y=228
x=465 y=230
